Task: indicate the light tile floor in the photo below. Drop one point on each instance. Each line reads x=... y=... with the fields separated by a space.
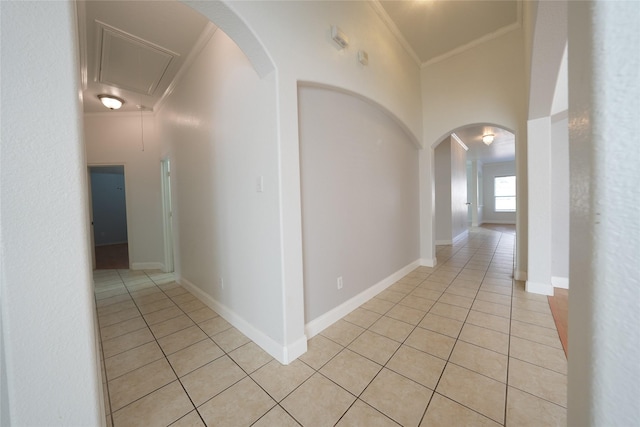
x=460 y=344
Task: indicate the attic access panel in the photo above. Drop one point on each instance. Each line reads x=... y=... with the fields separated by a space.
x=132 y=63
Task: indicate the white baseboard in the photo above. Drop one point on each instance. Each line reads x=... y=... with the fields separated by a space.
x=461 y=236
x=560 y=282
x=283 y=354
x=444 y=242
x=322 y=322
x=520 y=275
x=426 y=262
x=147 y=266
x=539 y=288
x=498 y=222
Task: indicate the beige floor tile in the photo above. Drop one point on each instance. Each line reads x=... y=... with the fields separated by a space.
x=480 y=393
x=181 y=339
x=487 y=338
x=442 y=325
x=399 y=398
x=190 y=358
x=494 y=298
x=126 y=342
x=461 y=291
x=431 y=342
x=531 y=305
x=250 y=357
x=480 y=360
x=201 y=314
x=279 y=380
x=443 y=412
x=540 y=319
x=122 y=328
x=402 y=287
x=161 y=407
x=492 y=308
x=162 y=315
x=156 y=305
x=170 y=326
x=240 y=405
x=230 y=339
x=342 y=332
x=105 y=398
x=182 y=298
x=422 y=304
x=361 y=317
x=114 y=308
x=209 y=380
x=318 y=402
x=146 y=297
x=374 y=347
x=389 y=295
x=136 y=384
x=132 y=359
x=406 y=314
x=351 y=371
x=361 y=414
x=392 y=328
x=112 y=300
x=427 y=293
x=538 y=354
x=214 y=326
x=526 y=410
x=536 y=333
x=120 y=290
x=417 y=365
x=501 y=290
x=378 y=305
x=117 y=317
x=450 y=311
x=174 y=290
x=276 y=417
x=449 y=298
x=192 y=419
x=319 y=351
x=489 y=321
x=192 y=305
x=541 y=382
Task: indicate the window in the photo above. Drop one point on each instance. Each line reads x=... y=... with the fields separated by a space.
x=504 y=191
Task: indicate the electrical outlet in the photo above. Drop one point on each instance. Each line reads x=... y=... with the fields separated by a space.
x=340 y=283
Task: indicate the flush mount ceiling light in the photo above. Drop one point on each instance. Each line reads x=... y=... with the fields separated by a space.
x=111 y=102
x=488 y=138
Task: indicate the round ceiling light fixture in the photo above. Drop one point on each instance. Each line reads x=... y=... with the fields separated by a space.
x=488 y=138
x=111 y=102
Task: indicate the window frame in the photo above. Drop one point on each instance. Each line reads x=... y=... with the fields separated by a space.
x=511 y=196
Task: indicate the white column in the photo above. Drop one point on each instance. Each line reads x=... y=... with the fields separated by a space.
x=604 y=314
x=427 y=212
x=539 y=204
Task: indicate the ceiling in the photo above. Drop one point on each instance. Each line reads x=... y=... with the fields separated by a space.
x=137 y=50
x=502 y=149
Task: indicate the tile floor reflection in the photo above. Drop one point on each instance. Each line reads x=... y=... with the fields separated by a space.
x=459 y=344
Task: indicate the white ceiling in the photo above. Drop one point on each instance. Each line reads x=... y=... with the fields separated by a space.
x=137 y=49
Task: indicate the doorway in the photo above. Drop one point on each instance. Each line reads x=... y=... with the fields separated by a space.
x=109 y=217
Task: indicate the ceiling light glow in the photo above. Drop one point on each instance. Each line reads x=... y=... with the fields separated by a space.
x=488 y=138
x=111 y=102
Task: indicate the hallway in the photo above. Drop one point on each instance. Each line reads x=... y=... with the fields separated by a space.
x=459 y=344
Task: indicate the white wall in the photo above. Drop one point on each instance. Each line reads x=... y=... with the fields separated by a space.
x=52 y=375
x=490 y=171
x=459 y=209
x=604 y=373
x=560 y=200
x=218 y=128
x=450 y=191
x=442 y=174
x=360 y=208
x=116 y=139
x=476 y=87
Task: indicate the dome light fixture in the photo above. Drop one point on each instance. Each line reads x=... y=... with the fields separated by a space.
x=488 y=138
x=111 y=102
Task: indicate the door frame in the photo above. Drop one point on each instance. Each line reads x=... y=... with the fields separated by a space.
x=127 y=201
x=167 y=214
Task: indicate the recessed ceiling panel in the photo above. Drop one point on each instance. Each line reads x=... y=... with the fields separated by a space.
x=131 y=63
